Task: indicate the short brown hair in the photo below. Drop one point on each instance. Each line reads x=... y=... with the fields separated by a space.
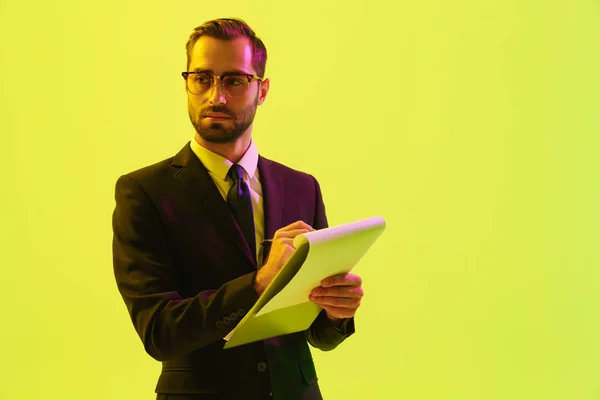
x=228 y=29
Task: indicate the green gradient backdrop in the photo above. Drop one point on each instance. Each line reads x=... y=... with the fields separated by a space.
x=471 y=126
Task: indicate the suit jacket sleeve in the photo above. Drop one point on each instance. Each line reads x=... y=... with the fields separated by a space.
x=168 y=325
x=322 y=334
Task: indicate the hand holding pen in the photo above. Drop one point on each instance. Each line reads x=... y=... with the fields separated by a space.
x=282 y=248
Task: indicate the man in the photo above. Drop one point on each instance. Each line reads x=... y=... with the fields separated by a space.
x=188 y=232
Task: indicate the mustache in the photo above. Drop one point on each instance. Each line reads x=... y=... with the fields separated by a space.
x=216 y=110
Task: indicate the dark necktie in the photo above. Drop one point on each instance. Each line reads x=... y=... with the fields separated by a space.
x=240 y=204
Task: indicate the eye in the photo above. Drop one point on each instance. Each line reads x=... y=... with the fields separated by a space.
x=233 y=81
x=202 y=78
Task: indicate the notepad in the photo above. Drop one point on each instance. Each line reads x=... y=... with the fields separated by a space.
x=283 y=307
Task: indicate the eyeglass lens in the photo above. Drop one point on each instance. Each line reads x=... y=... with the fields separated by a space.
x=235 y=86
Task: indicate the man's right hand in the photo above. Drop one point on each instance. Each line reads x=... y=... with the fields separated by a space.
x=281 y=250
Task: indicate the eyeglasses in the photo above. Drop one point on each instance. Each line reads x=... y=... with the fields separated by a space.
x=234 y=85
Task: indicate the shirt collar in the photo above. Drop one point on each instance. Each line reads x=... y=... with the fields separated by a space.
x=219 y=165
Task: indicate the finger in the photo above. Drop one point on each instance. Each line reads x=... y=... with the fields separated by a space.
x=297 y=225
x=342 y=280
x=289 y=234
x=342 y=302
x=339 y=291
x=339 y=312
x=283 y=241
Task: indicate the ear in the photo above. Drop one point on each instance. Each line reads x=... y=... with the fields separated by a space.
x=264 y=89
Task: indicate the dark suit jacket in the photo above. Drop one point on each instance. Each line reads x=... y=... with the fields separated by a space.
x=186 y=275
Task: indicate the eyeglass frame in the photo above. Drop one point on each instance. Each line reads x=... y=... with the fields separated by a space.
x=251 y=78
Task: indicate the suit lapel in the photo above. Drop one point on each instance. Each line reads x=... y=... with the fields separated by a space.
x=192 y=174
x=271 y=179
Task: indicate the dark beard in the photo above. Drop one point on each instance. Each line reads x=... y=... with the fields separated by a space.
x=218 y=132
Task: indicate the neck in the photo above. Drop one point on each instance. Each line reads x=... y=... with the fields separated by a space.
x=231 y=151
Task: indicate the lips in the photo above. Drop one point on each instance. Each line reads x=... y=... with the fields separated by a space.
x=216 y=115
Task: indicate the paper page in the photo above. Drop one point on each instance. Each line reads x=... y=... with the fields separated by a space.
x=276 y=323
x=332 y=251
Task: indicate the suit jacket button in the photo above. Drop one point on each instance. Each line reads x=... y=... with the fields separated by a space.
x=233 y=316
x=241 y=312
x=262 y=366
x=227 y=320
x=219 y=324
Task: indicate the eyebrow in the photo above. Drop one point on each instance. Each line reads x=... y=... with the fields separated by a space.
x=226 y=73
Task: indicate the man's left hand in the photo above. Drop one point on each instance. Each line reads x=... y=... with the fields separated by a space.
x=339 y=296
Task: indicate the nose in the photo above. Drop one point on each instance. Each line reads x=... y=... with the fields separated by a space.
x=216 y=94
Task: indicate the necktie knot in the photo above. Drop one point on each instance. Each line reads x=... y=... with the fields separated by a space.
x=236 y=172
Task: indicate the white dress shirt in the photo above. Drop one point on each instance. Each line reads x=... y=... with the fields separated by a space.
x=218 y=167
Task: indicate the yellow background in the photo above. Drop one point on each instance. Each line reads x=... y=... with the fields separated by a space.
x=470 y=125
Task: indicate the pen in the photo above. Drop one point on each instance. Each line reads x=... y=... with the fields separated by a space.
x=266 y=241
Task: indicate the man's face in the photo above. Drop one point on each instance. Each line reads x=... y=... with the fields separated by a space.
x=222 y=56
